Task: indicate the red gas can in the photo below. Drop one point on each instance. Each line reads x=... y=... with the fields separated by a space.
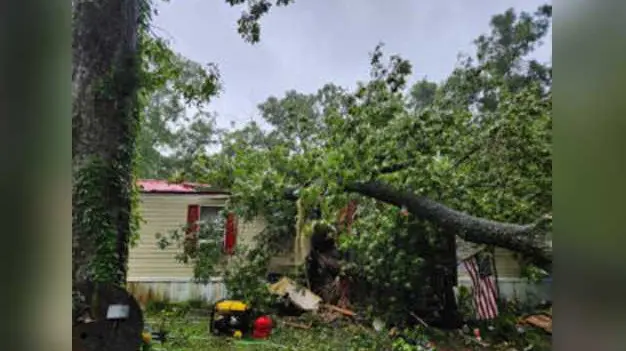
x=262 y=327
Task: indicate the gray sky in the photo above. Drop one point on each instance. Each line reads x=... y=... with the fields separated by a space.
x=313 y=42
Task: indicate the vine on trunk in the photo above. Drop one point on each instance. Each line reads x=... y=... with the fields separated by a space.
x=95 y=221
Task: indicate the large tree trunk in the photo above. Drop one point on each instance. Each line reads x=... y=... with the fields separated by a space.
x=104 y=123
x=528 y=240
x=100 y=333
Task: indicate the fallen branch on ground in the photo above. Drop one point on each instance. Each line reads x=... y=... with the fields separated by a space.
x=343 y=311
x=419 y=319
x=298 y=325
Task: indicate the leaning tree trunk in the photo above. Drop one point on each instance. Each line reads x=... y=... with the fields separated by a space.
x=528 y=240
x=104 y=123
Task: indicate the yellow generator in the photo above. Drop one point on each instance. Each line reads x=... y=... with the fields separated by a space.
x=230 y=318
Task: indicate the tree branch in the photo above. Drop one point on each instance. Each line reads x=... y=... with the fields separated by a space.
x=395 y=167
x=465 y=157
x=527 y=240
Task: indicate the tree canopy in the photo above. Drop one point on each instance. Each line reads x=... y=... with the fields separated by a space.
x=470 y=155
x=479 y=142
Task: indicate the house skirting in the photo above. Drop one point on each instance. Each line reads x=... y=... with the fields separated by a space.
x=186 y=289
x=519 y=288
x=175 y=290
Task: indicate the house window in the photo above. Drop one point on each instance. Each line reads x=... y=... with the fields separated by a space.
x=209 y=215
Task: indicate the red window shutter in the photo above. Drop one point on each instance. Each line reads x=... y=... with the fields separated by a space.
x=191 y=233
x=230 y=237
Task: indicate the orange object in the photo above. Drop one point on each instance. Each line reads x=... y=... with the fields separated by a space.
x=262 y=327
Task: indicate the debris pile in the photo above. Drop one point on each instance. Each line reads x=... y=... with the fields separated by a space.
x=308 y=301
x=468 y=338
x=540 y=320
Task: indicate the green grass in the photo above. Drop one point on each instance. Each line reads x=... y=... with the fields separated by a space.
x=188 y=331
x=191 y=334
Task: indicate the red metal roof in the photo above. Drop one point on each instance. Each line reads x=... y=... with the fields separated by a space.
x=163 y=186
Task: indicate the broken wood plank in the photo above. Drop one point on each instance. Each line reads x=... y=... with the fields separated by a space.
x=302 y=297
x=540 y=321
x=298 y=325
x=343 y=311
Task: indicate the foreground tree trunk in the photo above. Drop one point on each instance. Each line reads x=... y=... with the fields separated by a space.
x=100 y=333
x=104 y=123
x=528 y=240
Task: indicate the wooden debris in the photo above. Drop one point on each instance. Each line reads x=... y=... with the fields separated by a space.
x=343 y=311
x=542 y=321
x=298 y=325
x=419 y=319
x=302 y=297
x=329 y=316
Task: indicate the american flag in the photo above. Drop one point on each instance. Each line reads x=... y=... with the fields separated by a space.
x=483 y=286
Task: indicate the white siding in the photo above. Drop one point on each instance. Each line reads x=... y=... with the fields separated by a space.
x=248 y=230
x=506 y=264
x=518 y=288
x=164 y=213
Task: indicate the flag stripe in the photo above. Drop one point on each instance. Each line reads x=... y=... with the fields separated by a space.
x=484 y=289
x=470 y=264
x=488 y=296
x=492 y=294
x=473 y=273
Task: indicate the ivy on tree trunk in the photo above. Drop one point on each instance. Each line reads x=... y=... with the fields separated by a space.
x=104 y=126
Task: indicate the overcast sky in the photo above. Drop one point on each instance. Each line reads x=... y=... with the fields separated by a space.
x=313 y=42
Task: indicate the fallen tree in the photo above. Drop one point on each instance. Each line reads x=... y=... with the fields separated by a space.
x=393 y=261
x=528 y=240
